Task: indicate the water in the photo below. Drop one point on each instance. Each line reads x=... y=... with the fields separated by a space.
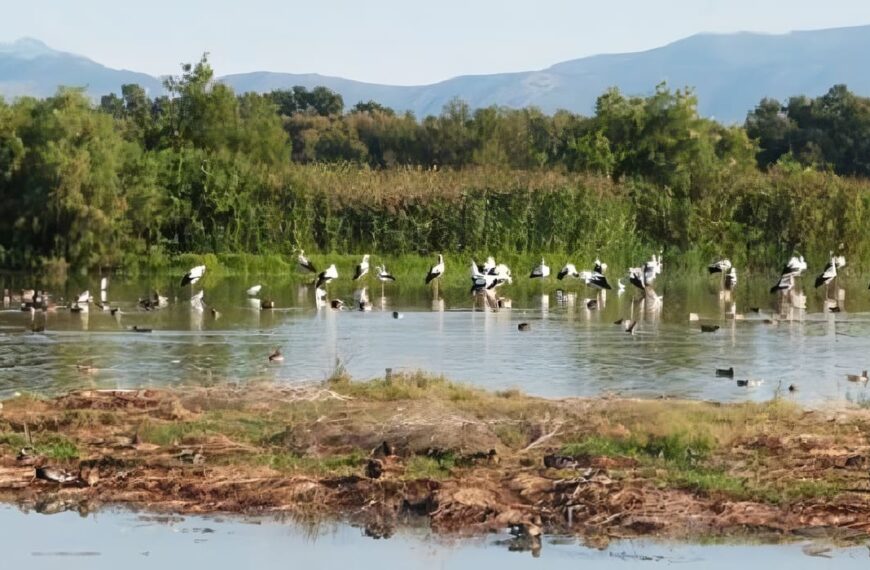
x=114 y=538
x=569 y=351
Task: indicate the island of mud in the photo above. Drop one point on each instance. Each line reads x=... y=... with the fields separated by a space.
x=385 y=451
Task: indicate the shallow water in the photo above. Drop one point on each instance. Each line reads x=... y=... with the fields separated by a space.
x=114 y=537
x=569 y=350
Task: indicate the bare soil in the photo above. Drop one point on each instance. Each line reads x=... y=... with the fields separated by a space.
x=470 y=461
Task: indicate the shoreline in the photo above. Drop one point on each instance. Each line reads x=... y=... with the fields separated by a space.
x=467 y=460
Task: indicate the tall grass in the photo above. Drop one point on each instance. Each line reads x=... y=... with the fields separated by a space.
x=755 y=218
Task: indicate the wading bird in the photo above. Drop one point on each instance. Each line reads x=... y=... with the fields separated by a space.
x=488 y=266
x=192 y=276
x=794 y=267
x=599 y=267
x=362 y=268
x=542 y=271
x=303 y=262
x=569 y=270
x=595 y=280
x=326 y=276
x=480 y=281
x=436 y=271
x=830 y=271
x=384 y=276
x=721 y=266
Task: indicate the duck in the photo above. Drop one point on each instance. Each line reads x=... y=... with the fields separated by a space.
x=857 y=377
x=524 y=327
x=709 y=328
x=276 y=356
x=56 y=475
x=725 y=372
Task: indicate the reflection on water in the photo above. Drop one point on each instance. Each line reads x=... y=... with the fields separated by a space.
x=810 y=339
x=110 y=539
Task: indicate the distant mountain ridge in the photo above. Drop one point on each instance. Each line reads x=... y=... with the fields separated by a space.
x=731 y=73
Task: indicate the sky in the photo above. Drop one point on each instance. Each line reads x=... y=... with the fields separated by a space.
x=399 y=42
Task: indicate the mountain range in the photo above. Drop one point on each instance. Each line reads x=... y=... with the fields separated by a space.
x=730 y=73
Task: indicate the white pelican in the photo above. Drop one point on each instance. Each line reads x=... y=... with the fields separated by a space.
x=254 y=290
x=104 y=284
x=326 y=276
x=721 y=266
x=84 y=298
x=830 y=271
x=362 y=268
x=569 y=270
x=541 y=271
x=303 y=262
x=193 y=275
x=595 y=280
x=795 y=266
x=436 y=270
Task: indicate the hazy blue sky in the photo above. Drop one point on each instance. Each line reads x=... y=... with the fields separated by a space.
x=393 y=41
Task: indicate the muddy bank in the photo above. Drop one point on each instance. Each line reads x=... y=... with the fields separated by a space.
x=470 y=461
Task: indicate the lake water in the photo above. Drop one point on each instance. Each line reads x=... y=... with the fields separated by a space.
x=116 y=538
x=569 y=351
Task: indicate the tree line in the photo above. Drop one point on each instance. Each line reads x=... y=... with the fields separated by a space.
x=203 y=169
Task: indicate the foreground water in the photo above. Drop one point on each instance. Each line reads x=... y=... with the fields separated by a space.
x=569 y=350
x=114 y=537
